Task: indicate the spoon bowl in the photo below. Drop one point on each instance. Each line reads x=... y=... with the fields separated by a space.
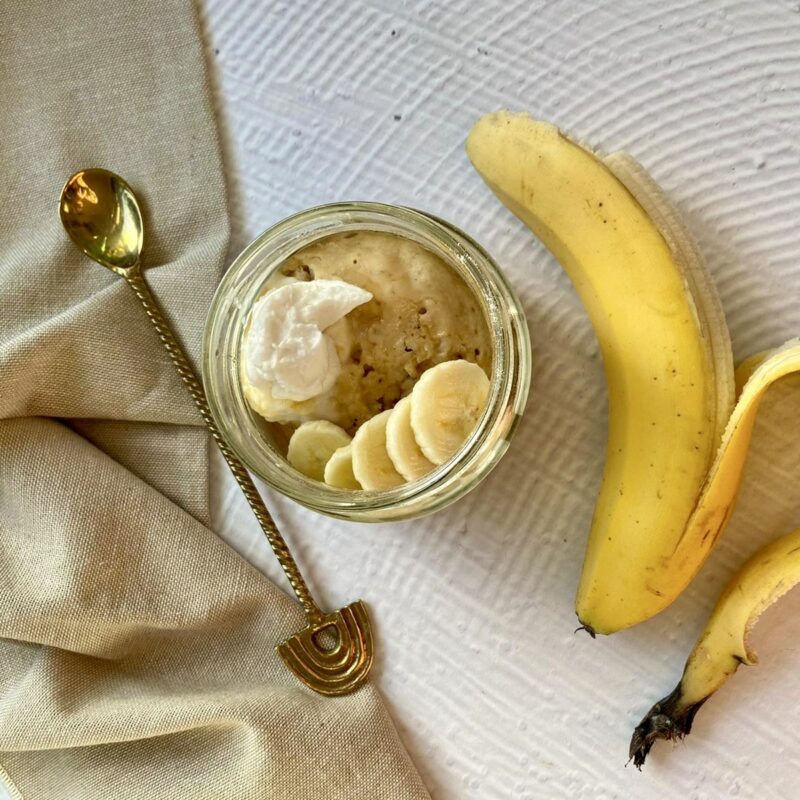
x=100 y=213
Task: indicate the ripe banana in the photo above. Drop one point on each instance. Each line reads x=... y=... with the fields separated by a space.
x=446 y=404
x=722 y=646
x=312 y=444
x=401 y=444
x=339 y=469
x=372 y=467
x=665 y=346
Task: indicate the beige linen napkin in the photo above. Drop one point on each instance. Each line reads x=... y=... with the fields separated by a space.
x=137 y=654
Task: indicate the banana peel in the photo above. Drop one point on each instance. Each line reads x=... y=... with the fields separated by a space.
x=722 y=647
x=716 y=502
x=764 y=579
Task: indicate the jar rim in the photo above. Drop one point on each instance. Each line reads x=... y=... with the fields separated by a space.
x=224 y=331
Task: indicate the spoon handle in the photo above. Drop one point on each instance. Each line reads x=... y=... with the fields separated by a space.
x=137 y=282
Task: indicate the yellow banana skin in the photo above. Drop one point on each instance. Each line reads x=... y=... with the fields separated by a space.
x=669 y=389
x=746 y=368
x=722 y=646
x=714 y=508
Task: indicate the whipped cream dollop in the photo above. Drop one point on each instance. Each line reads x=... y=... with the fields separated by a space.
x=287 y=352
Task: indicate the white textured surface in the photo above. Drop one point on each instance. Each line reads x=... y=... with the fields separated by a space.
x=494 y=696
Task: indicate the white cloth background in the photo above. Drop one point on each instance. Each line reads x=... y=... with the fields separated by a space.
x=494 y=696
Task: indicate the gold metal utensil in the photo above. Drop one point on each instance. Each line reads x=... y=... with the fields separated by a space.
x=100 y=213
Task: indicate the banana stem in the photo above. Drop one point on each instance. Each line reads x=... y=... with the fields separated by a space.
x=586 y=629
x=669 y=719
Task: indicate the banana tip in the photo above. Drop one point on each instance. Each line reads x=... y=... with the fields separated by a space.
x=587 y=628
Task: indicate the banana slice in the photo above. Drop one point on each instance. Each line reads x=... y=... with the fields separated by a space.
x=446 y=403
x=372 y=467
x=312 y=445
x=339 y=469
x=401 y=445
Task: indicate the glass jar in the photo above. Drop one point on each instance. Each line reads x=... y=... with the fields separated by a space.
x=248 y=435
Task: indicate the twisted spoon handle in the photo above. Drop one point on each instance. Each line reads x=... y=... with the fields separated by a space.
x=137 y=282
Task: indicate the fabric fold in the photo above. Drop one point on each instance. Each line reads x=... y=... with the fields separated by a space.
x=138 y=648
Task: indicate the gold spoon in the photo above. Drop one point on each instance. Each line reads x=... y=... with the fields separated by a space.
x=101 y=215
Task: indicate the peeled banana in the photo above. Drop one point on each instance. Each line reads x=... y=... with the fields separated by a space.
x=677 y=444
x=665 y=348
x=722 y=645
